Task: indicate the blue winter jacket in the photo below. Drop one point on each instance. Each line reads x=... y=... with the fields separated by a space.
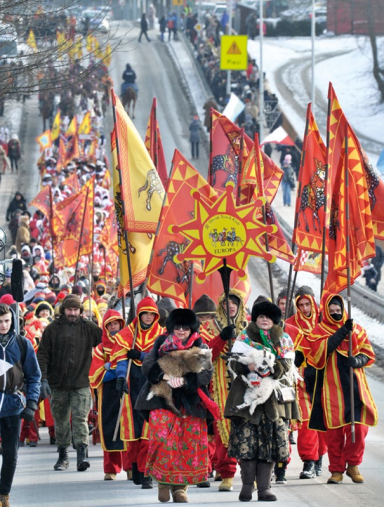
x=21 y=377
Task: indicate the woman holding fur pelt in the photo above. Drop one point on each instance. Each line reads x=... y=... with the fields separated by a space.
x=178 y=446
x=260 y=439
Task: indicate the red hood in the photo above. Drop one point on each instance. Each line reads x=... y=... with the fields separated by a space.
x=107 y=339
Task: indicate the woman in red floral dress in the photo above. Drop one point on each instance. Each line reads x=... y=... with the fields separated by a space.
x=178 y=446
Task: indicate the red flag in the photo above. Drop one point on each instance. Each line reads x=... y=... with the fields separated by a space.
x=168 y=278
x=61 y=156
x=154 y=145
x=310 y=203
x=72 y=182
x=72 y=150
x=43 y=201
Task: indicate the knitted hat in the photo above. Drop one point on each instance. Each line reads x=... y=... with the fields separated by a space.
x=283 y=294
x=204 y=306
x=303 y=291
x=60 y=297
x=336 y=300
x=7 y=299
x=43 y=306
x=71 y=301
x=183 y=317
x=287 y=159
x=268 y=309
x=50 y=297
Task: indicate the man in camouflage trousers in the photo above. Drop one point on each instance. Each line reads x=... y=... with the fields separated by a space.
x=64 y=355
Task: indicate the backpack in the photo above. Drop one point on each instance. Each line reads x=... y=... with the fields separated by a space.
x=22 y=343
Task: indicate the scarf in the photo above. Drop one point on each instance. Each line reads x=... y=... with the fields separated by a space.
x=268 y=344
x=173 y=343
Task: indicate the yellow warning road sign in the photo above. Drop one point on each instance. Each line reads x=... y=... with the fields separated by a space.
x=178 y=2
x=234 y=52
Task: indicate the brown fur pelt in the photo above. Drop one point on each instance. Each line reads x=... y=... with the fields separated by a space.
x=23 y=235
x=176 y=364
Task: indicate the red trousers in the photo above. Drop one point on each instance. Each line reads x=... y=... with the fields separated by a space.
x=311 y=444
x=138 y=450
x=114 y=462
x=211 y=453
x=225 y=466
x=342 y=451
x=28 y=429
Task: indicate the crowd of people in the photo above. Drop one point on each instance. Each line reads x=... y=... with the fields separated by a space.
x=182 y=393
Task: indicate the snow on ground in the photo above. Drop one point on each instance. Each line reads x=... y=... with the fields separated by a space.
x=350 y=74
x=12 y=116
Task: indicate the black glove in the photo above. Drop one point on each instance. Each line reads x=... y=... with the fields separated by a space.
x=358 y=361
x=45 y=390
x=29 y=412
x=134 y=354
x=299 y=358
x=122 y=386
x=228 y=333
x=335 y=340
x=349 y=324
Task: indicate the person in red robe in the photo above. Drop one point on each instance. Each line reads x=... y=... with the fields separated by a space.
x=132 y=344
x=331 y=406
x=103 y=378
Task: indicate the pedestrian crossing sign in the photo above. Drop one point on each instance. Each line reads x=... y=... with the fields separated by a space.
x=234 y=54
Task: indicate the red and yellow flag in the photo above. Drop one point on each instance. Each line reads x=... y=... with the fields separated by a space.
x=42 y=201
x=154 y=145
x=73 y=225
x=61 y=156
x=55 y=131
x=167 y=277
x=141 y=187
x=85 y=125
x=72 y=150
x=108 y=55
x=72 y=182
x=44 y=140
x=310 y=203
x=308 y=261
x=139 y=244
x=72 y=128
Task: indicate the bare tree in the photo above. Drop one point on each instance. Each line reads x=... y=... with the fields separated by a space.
x=24 y=68
x=372 y=10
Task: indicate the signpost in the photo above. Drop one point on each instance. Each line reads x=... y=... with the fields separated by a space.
x=234 y=52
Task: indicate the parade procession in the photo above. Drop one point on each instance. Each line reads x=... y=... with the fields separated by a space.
x=191 y=243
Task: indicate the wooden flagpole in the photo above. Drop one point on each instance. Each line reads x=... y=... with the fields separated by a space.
x=133 y=310
x=156 y=153
x=52 y=235
x=325 y=203
x=157 y=230
x=210 y=149
x=190 y=298
x=81 y=235
x=92 y=220
x=240 y=168
x=127 y=380
x=298 y=197
x=348 y=260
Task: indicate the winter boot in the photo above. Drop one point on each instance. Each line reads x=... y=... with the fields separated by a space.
x=205 y=484
x=354 y=474
x=146 y=482
x=263 y=477
x=63 y=461
x=82 y=461
x=179 y=494
x=226 y=484
x=164 y=494
x=336 y=478
x=308 y=470
x=136 y=475
x=248 y=475
x=319 y=466
x=4 y=501
x=280 y=468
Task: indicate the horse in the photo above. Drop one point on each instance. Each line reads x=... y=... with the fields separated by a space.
x=129 y=97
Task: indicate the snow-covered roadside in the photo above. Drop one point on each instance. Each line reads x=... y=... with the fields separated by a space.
x=11 y=119
x=350 y=74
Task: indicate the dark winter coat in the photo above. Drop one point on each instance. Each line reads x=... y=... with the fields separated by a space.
x=65 y=352
x=15 y=204
x=185 y=396
x=163 y=24
x=194 y=128
x=22 y=376
x=144 y=23
x=289 y=175
x=14 y=149
x=271 y=407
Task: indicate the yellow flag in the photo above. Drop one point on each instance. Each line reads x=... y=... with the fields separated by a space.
x=31 y=41
x=140 y=244
x=97 y=51
x=85 y=125
x=143 y=191
x=90 y=42
x=55 y=131
x=72 y=128
x=79 y=47
x=107 y=55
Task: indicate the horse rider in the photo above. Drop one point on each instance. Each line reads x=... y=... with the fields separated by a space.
x=129 y=80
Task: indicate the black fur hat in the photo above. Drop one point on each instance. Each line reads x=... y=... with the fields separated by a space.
x=268 y=309
x=184 y=317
